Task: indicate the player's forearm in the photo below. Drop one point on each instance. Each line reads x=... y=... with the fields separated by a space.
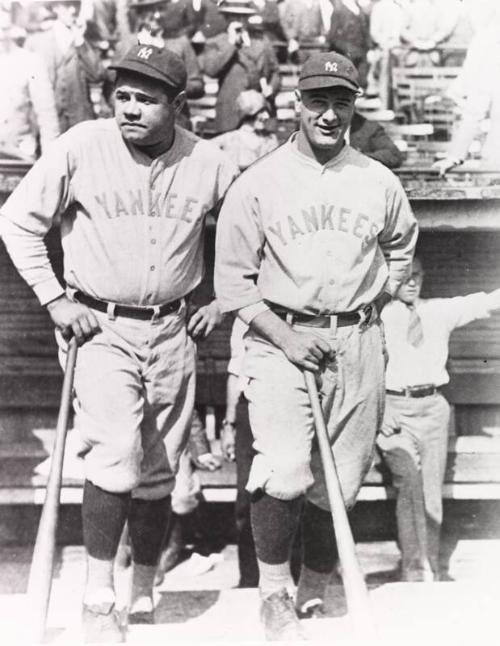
x=29 y=255
x=272 y=328
x=399 y=257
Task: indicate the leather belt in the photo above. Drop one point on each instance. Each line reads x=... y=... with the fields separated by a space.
x=128 y=311
x=323 y=320
x=415 y=391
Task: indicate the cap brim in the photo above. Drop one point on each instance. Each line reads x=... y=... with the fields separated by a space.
x=320 y=81
x=144 y=70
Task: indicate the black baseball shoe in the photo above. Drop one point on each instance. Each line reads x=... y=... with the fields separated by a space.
x=102 y=624
x=277 y=613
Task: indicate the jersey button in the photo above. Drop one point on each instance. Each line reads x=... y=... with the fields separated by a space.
x=332 y=282
x=152 y=268
x=152 y=214
x=153 y=240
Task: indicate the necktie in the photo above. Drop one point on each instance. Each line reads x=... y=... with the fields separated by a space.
x=415 y=333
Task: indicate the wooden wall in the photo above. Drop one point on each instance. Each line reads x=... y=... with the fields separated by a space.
x=456 y=262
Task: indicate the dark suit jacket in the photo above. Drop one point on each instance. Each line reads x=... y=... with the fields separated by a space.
x=238 y=69
x=371 y=139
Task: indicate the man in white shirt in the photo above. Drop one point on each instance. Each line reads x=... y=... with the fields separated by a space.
x=414 y=433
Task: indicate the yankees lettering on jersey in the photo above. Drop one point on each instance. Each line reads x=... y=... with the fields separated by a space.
x=321 y=217
x=328 y=238
x=133 y=204
x=131 y=227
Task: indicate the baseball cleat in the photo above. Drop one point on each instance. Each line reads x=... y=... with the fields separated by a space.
x=279 y=618
x=101 y=624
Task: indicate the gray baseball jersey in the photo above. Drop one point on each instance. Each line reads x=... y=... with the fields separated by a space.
x=131 y=227
x=313 y=238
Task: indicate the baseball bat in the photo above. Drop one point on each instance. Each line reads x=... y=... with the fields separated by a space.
x=42 y=564
x=356 y=592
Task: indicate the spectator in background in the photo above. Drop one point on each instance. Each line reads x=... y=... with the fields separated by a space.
x=103 y=15
x=370 y=138
x=272 y=27
x=427 y=24
x=302 y=22
x=73 y=65
x=186 y=495
x=205 y=20
x=349 y=33
x=386 y=23
x=27 y=105
x=240 y=59
x=481 y=99
x=414 y=434
x=254 y=137
x=148 y=28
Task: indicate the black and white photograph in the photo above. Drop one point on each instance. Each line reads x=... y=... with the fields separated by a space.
x=249 y=322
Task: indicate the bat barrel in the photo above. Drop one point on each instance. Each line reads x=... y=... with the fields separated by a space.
x=42 y=564
x=356 y=592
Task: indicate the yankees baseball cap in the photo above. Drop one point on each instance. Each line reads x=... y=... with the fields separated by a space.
x=328 y=69
x=158 y=63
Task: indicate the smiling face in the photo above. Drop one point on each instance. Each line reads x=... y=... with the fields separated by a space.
x=325 y=116
x=410 y=290
x=144 y=111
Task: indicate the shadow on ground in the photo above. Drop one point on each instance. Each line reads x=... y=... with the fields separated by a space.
x=181 y=606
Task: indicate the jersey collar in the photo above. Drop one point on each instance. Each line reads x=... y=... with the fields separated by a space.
x=305 y=159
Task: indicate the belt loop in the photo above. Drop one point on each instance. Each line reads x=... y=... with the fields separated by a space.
x=289 y=318
x=110 y=311
x=333 y=326
x=156 y=313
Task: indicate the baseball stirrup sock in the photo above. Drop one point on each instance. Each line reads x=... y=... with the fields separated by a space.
x=274 y=525
x=147 y=526
x=103 y=516
x=318 y=539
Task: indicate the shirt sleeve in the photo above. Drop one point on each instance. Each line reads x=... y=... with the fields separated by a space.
x=463 y=309
x=399 y=236
x=28 y=214
x=238 y=250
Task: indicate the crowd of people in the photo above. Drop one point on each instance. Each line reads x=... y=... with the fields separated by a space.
x=309 y=265
x=240 y=43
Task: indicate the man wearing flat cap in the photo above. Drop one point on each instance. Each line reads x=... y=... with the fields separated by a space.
x=132 y=194
x=312 y=241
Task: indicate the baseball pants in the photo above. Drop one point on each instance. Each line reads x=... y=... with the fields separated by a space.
x=287 y=463
x=134 y=397
x=414 y=446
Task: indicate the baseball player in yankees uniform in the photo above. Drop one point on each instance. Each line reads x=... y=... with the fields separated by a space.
x=132 y=193
x=312 y=240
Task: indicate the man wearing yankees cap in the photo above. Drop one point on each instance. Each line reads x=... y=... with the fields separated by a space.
x=132 y=194
x=312 y=240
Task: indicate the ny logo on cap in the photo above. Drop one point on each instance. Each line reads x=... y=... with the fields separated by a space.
x=144 y=52
x=331 y=67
